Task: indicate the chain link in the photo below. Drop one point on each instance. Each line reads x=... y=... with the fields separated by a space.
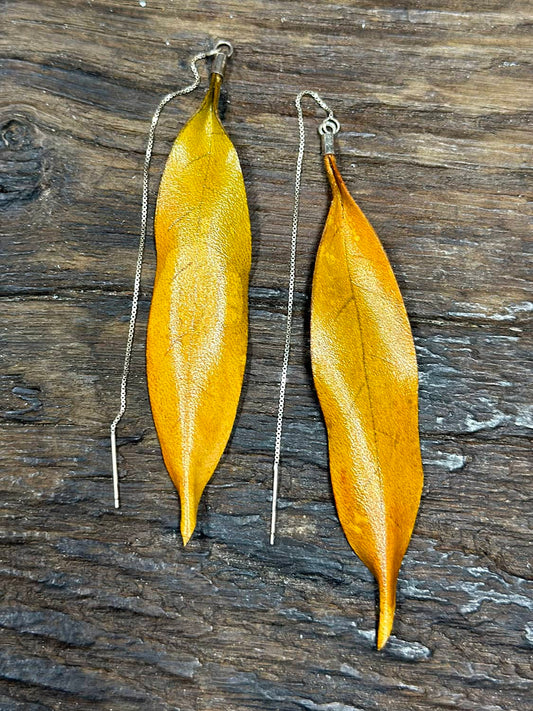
x=292 y=278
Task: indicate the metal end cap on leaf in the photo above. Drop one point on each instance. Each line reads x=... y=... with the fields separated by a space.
x=221 y=53
x=327 y=130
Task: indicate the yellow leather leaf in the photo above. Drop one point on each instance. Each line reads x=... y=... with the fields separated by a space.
x=198 y=324
x=365 y=372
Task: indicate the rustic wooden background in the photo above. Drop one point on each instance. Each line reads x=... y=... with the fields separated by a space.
x=106 y=610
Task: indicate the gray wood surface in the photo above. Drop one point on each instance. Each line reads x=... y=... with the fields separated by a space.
x=106 y=610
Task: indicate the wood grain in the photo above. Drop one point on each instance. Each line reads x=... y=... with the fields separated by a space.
x=105 y=610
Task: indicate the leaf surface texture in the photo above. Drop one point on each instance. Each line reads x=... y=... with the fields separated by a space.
x=198 y=324
x=365 y=372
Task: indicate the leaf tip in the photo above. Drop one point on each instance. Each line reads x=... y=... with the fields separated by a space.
x=188 y=522
x=186 y=536
x=385 y=627
x=387 y=607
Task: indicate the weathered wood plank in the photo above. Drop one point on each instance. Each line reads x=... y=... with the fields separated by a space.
x=103 y=609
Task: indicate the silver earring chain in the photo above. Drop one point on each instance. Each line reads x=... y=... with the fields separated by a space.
x=142 y=241
x=330 y=125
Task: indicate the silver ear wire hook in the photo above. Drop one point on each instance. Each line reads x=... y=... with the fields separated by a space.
x=217 y=51
x=327 y=130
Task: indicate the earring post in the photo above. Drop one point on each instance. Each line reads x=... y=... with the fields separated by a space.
x=328 y=127
x=140 y=253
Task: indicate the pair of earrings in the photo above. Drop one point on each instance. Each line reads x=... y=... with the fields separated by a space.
x=362 y=351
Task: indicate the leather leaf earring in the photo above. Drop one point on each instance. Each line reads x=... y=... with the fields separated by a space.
x=198 y=324
x=365 y=373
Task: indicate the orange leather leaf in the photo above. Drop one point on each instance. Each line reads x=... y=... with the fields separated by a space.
x=198 y=325
x=365 y=372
